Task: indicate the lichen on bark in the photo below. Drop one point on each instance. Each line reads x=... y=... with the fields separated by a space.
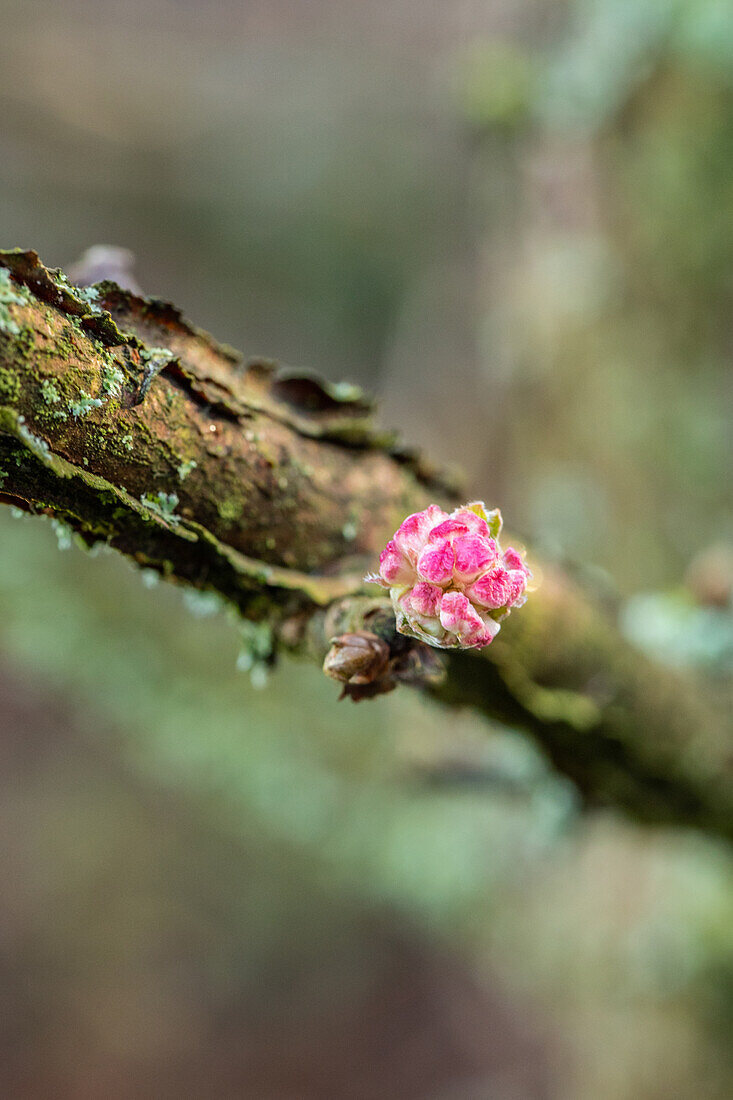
x=131 y=426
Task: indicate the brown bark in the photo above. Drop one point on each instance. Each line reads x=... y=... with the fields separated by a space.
x=274 y=489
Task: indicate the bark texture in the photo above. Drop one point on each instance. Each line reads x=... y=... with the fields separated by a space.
x=274 y=489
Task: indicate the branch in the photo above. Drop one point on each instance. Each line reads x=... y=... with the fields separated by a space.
x=273 y=489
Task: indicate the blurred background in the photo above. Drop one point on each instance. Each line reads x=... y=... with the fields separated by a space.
x=512 y=220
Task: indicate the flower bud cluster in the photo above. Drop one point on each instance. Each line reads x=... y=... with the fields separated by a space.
x=449 y=581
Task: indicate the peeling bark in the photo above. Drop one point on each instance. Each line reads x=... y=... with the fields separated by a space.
x=275 y=490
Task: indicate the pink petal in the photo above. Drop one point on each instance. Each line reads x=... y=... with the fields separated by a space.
x=394 y=567
x=518 y=583
x=493 y=589
x=412 y=533
x=487 y=635
x=514 y=560
x=448 y=528
x=460 y=617
x=474 y=523
x=491 y=627
x=425 y=625
x=473 y=555
x=435 y=564
x=424 y=598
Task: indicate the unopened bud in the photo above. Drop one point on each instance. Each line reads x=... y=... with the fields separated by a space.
x=358 y=658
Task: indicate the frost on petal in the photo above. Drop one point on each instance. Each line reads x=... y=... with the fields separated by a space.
x=412 y=533
x=394 y=567
x=493 y=589
x=435 y=564
x=460 y=617
x=473 y=556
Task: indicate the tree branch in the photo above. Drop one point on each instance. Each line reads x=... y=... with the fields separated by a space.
x=273 y=489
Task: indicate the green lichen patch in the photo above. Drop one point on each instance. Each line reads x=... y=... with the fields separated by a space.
x=150 y=355
x=185 y=468
x=9 y=291
x=9 y=295
x=49 y=392
x=164 y=504
x=84 y=405
x=89 y=294
x=113 y=380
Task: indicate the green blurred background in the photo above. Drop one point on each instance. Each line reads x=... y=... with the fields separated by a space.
x=513 y=221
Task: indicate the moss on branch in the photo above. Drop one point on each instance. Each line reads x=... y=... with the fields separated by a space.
x=132 y=427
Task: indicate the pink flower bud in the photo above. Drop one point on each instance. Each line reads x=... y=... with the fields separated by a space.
x=449 y=581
